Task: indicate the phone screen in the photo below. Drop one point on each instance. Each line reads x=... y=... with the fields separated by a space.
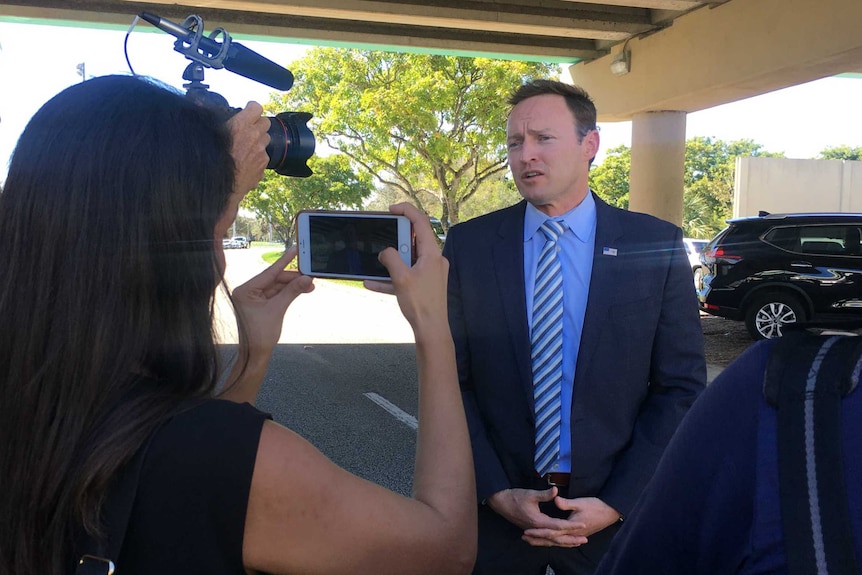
x=349 y=245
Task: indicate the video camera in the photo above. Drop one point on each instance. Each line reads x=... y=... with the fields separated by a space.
x=291 y=141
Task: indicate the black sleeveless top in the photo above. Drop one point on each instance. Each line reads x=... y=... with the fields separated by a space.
x=189 y=513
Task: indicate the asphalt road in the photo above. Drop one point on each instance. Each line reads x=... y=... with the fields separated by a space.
x=343 y=375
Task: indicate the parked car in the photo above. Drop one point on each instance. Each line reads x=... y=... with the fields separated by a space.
x=693 y=248
x=235 y=242
x=437 y=226
x=776 y=269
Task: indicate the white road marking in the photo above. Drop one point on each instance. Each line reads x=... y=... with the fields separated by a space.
x=393 y=409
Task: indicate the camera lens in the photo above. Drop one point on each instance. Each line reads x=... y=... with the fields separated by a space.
x=291 y=143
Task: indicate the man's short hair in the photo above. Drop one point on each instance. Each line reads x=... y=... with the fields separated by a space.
x=577 y=99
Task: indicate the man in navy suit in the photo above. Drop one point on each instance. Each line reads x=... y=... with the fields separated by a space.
x=631 y=360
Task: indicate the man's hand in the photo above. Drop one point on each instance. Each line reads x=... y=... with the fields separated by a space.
x=521 y=507
x=589 y=513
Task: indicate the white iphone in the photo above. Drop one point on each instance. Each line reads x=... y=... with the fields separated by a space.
x=345 y=244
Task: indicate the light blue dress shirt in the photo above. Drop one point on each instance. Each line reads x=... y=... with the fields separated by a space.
x=575 y=249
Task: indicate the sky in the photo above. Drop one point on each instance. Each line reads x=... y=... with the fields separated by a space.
x=38 y=61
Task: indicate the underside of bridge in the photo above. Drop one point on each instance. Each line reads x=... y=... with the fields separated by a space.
x=649 y=61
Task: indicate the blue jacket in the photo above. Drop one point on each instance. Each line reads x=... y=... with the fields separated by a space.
x=639 y=368
x=713 y=505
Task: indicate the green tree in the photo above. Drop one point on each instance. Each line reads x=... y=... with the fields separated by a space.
x=334 y=185
x=384 y=196
x=245 y=226
x=432 y=127
x=841 y=153
x=496 y=193
x=610 y=179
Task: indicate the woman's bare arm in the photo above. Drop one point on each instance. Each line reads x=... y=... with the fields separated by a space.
x=307 y=515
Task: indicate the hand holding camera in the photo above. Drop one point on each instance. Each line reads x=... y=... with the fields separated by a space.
x=250 y=139
x=291 y=143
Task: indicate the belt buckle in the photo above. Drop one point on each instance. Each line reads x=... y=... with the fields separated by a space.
x=556 y=479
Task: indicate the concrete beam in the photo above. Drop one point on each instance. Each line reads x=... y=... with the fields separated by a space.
x=740 y=49
x=679 y=5
x=317 y=31
x=544 y=19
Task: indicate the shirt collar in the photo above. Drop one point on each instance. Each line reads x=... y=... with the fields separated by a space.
x=581 y=219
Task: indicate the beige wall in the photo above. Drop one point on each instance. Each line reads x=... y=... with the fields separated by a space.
x=727 y=53
x=781 y=185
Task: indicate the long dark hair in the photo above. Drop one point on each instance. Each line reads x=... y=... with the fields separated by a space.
x=107 y=274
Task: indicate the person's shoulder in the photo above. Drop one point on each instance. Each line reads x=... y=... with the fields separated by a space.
x=211 y=436
x=221 y=407
x=648 y=222
x=214 y=420
x=636 y=221
x=741 y=382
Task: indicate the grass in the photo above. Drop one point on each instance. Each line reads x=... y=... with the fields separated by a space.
x=271 y=257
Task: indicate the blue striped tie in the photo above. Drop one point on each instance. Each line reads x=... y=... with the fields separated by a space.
x=546 y=341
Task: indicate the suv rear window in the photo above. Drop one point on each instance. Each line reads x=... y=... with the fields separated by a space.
x=816 y=239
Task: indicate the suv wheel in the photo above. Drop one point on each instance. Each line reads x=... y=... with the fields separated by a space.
x=769 y=313
x=698 y=278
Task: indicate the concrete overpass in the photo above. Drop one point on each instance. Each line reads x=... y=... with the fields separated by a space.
x=670 y=57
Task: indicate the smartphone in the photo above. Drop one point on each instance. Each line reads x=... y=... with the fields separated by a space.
x=345 y=244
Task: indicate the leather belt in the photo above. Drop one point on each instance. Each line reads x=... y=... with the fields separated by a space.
x=555 y=479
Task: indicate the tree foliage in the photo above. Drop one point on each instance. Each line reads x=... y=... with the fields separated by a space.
x=334 y=185
x=841 y=153
x=708 y=181
x=431 y=127
x=495 y=193
x=245 y=226
x=610 y=180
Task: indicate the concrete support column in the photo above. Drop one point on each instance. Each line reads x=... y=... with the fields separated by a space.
x=658 y=158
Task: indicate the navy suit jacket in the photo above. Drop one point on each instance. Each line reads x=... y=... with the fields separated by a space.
x=640 y=364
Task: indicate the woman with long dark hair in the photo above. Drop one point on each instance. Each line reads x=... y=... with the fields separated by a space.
x=117 y=197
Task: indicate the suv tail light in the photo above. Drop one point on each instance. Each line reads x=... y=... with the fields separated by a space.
x=719 y=255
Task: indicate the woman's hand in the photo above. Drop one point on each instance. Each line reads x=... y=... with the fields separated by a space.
x=260 y=305
x=421 y=289
x=262 y=302
x=250 y=139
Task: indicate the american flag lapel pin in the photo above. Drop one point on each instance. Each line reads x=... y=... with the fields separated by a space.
x=609 y=251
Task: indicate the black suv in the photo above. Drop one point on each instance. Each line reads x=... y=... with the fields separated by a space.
x=776 y=269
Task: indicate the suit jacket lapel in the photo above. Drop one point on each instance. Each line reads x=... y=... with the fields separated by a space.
x=603 y=282
x=508 y=254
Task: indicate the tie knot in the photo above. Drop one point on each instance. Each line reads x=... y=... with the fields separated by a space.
x=553 y=229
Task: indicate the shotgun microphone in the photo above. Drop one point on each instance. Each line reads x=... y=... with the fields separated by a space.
x=225 y=54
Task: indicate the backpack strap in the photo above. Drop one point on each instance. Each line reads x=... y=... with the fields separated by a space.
x=806 y=378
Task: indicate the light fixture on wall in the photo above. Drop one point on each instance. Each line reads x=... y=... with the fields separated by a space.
x=621 y=64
